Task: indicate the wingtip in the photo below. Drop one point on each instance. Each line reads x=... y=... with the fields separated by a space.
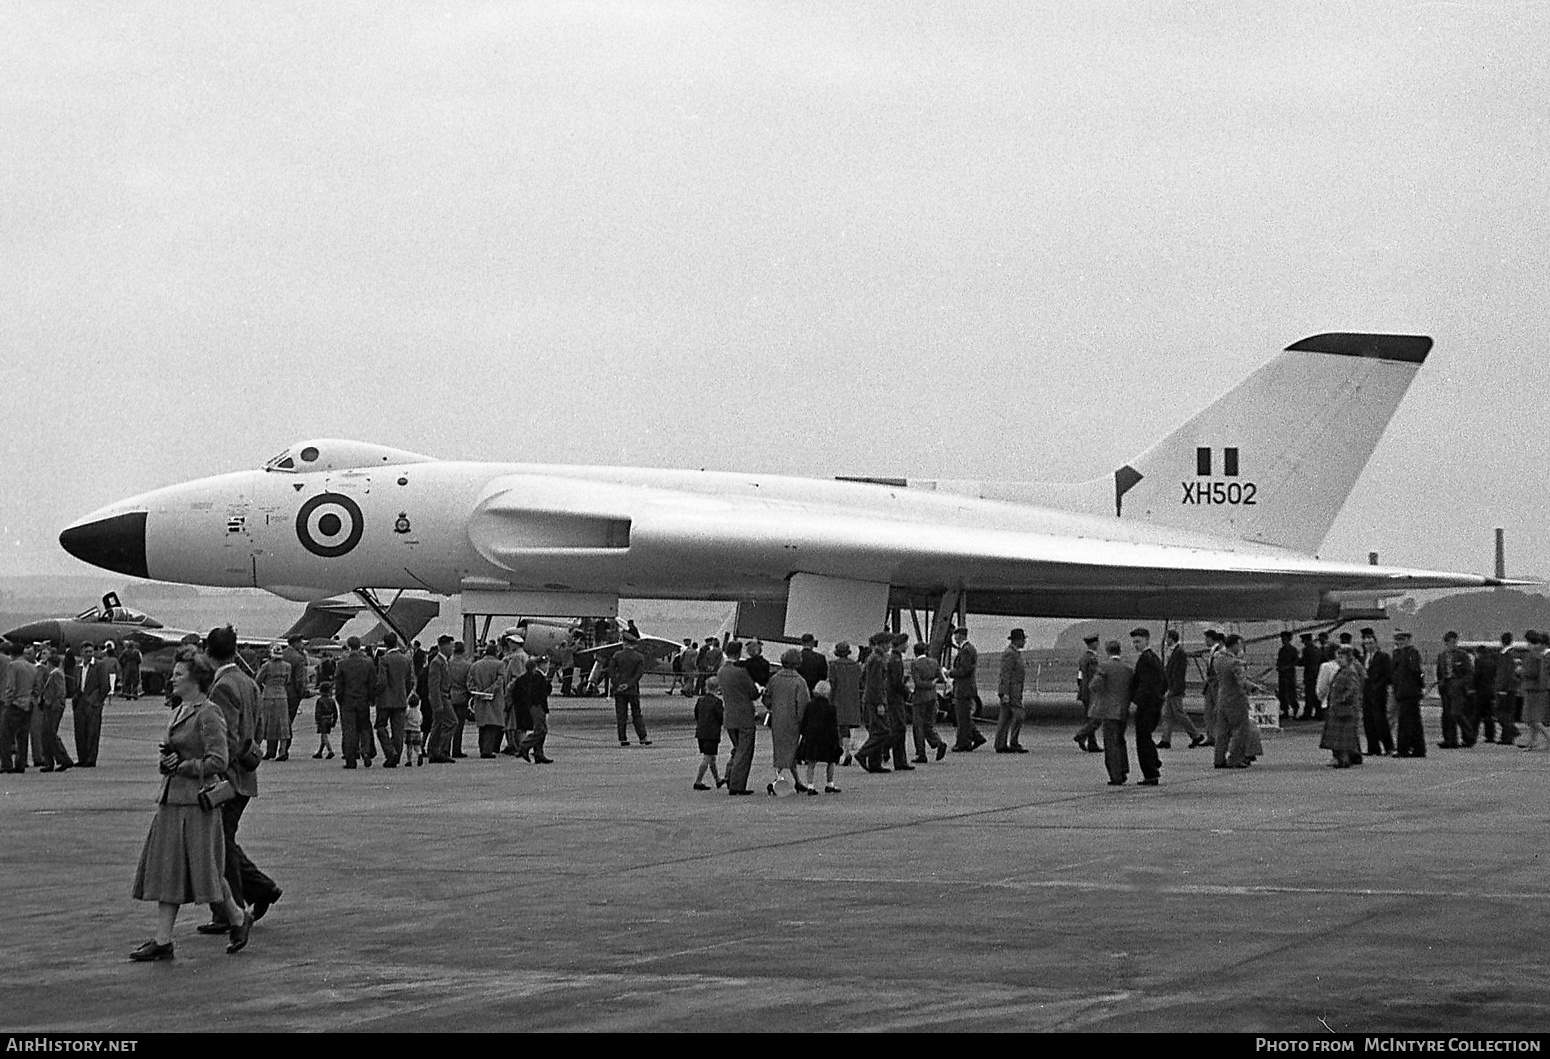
x=1408 y=349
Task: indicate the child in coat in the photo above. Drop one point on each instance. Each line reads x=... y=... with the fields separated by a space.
x=325 y=713
x=820 y=737
x=414 y=743
x=708 y=715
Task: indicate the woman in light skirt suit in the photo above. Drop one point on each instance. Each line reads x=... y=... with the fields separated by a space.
x=274 y=709
x=184 y=858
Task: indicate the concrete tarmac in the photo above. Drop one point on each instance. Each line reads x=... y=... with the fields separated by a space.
x=985 y=892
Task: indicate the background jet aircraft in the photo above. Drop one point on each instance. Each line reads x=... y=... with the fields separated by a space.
x=112 y=622
x=1215 y=521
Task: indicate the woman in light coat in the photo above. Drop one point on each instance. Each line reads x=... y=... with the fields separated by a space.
x=785 y=696
x=274 y=708
x=184 y=858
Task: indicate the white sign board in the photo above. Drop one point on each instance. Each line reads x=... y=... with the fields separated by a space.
x=1265 y=711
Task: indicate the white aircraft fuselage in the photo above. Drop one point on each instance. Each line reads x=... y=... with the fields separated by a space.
x=673 y=534
x=1215 y=521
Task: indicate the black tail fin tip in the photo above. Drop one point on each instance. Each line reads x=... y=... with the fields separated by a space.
x=1411 y=349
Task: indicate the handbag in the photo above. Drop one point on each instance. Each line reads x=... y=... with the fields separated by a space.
x=216 y=792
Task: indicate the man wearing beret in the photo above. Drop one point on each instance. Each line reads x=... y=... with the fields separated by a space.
x=874 y=704
x=1086 y=666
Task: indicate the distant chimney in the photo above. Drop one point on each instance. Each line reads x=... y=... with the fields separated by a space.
x=1372 y=558
x=1501 y=553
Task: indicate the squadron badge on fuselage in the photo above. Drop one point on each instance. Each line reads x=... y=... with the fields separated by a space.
x=402 y=525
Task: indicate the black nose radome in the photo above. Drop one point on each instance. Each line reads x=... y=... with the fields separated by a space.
x=46 y=631
x=116 y=543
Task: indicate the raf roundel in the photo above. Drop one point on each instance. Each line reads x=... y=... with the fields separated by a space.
x=330 y=525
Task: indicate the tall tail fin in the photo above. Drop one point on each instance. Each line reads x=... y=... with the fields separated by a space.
x=1274 y=459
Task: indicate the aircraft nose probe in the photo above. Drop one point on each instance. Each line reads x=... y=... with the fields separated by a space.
x=114 y=543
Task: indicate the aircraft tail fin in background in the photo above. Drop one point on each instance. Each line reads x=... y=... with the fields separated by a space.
x=322 y=619
x=1274 y=459
x=410 y=614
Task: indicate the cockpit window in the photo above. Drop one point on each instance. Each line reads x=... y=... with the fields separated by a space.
x=309 y=454
x=282 y=462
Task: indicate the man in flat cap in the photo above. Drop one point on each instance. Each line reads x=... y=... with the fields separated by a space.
x=1009 y=689
x=1409 y=684
x=1086 y=666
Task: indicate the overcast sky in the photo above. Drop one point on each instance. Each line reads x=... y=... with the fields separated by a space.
x=957 y=240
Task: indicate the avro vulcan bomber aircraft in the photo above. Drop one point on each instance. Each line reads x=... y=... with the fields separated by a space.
x=1219 y=520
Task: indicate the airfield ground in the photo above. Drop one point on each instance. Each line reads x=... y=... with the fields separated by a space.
x=983 y=893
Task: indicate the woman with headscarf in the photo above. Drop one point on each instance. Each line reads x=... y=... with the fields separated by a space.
x=1343 y=715
x=274 y=710
x=785 y=696
x=184 y=857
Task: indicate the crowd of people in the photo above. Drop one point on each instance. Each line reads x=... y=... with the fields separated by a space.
x=229 y=714
x=817 y=707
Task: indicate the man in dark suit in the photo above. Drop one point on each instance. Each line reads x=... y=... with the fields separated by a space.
x=625 y=669
x=1286 y=676
x=738 y=695
x=1111 y=708
x=1375 y=696
x=237 y=695
x=1409 y=685
x=1147 y=688
x=395 y=679
x=355 y=685
x=814 y=666
x=1312 y=658
x=966 y=660
x=874 y=703
x=88 y=707
x=1455 y=683
x=1086 y=666
x=1175 y=672
x=438 y=690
